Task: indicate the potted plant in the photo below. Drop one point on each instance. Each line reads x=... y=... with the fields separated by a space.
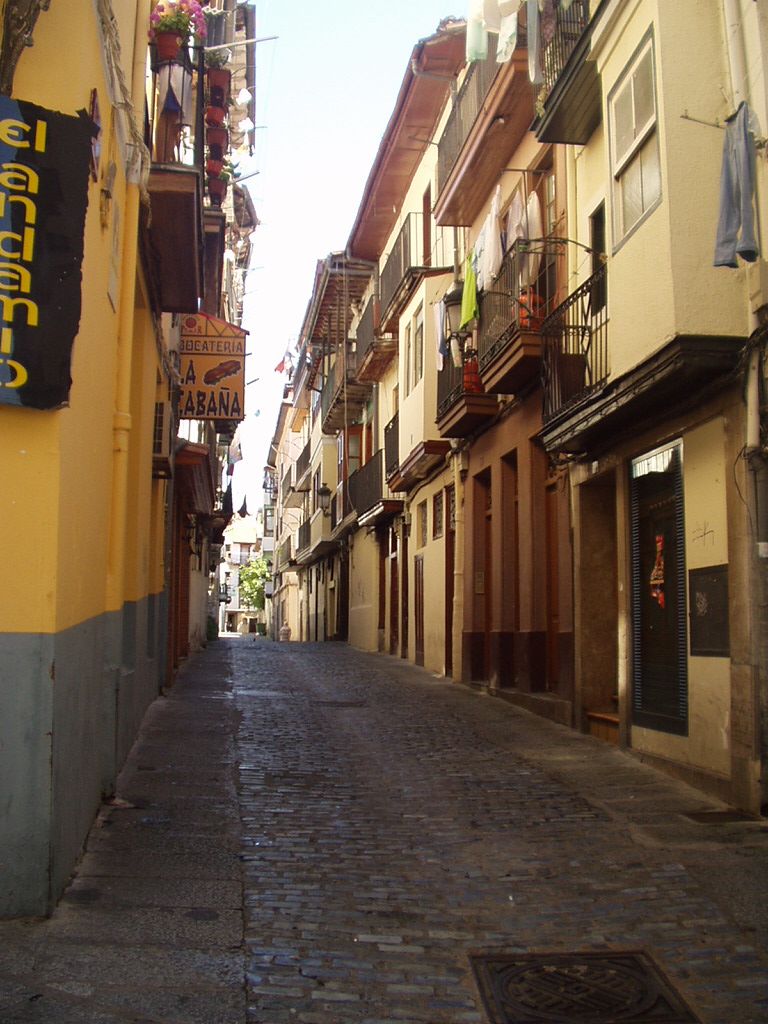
x=218 y=75
x=214 y=116
x=172 y=22
x=218 y=142
x=218 y=184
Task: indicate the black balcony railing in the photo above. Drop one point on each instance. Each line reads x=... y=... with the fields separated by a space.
x=413 y=251
x=341 y=506
x=469 y=102
x=575 y=354
x=284 y=554
x=569 y=27
x=305 y=536
x=450 y=386
x=285 y=486
x=521 y=296
x=366 y=334
x=392 y=446
x=302 y=463
x=366 y=485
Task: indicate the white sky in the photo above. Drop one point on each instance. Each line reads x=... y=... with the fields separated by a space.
x=325 y=90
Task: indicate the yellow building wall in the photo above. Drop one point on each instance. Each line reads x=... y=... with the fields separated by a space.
x=364 y=591
x=709 y=692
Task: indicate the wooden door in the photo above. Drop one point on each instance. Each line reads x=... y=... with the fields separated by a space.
x=418 y=609
x=552 y=668
x=394 y=595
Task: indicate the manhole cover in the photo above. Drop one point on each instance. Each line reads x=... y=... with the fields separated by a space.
x=577 y=988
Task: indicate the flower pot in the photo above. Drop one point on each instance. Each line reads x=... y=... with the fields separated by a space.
x=531 y=310
x=471 y=381
x=217 y=189
x=214 y=167
x=168 y=45
x=218 y=142
x=214 y=116
x=218 y=86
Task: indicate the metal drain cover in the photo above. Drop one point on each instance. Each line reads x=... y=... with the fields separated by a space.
x=577 y=988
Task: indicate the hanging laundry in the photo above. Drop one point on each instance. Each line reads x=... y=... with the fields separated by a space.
x=534 y=56
x=534 y=229
x=507 y=38
x=469 y=308
x=477 y=36
x=548 y=22
x=478 y=257
x=491 y=16
x=440 y=339
x=456 y=354
x=493 y=253
x=736 y=223
x=515 y=221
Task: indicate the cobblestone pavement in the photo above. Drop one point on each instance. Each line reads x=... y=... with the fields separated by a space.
x=305 y=833
x=395 y=823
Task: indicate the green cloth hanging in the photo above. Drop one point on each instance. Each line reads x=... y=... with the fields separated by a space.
x=469 y=308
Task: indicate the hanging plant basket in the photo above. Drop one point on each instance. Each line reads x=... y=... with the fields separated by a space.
x=168 y=45
x=219 y=80
x=218 y=142
x=217 y=189
x=214 y=116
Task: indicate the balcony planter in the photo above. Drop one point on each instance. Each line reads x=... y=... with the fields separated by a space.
x=217 y=189
x=213 y=167
x=531 y=310
x=218 y=142
x=168 y=45
x=214 y=116
x=218 y=86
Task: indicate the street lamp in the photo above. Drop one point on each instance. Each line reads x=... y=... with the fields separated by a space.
x=324 y=498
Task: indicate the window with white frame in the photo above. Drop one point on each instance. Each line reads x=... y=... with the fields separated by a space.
x=635 y=163
x=418 y=345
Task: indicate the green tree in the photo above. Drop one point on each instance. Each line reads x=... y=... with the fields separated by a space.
x=252 y=579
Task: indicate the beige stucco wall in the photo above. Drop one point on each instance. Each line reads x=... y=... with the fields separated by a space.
x=364 y=591
x=709 y=694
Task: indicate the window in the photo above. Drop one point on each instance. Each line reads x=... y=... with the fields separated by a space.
x=634 y=143
x=437 y=515
x=407 y=380
x=422 y=513
x=597 y=245
x=418 y=345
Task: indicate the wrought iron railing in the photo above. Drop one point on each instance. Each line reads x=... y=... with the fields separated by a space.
x=303 y=461
x=175 y=126
x=392 y=446
x=304 y=536
x=339 y=373
x=285 y=486
x=366 y=485
x=521 y=296
x=409 y=254
x=450 y=385
x=575 y=353
x=569 y=27
x=341 y=506
x=284 y=554
x=366 y=334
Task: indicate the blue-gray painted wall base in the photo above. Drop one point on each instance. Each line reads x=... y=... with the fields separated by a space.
x=70 y=709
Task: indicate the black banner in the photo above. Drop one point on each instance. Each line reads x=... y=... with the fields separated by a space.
x=44 y=167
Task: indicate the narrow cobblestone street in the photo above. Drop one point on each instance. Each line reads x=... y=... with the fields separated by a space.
x=391 y=824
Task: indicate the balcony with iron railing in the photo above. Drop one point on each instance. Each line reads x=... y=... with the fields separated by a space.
x=375 y=350
x=175 y=137
x=462 y=405
x=575 y=359
x=304 y=537
x=417 y=251
x=512 y=311
x=302 y=467
x=568 y=101
x=490 y=116
x=341 y=506
x=392 y=447
x=284 y=554
x=343 y=396
x=369 y=495
x=285 y=485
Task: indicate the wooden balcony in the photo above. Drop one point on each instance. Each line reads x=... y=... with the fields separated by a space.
x=375 y=351
x=414 y=255
x=344 y=397
x=369 y=495
x=512 y=311
x=493 y=111
x=175 y=233
x=461 y=407
x=416 y=465
x=568 y=105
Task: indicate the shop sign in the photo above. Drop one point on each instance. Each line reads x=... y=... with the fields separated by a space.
x=212 y=368
x=44 y=166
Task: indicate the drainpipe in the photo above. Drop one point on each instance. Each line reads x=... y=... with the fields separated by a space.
x=459 y=475
x=121 y=421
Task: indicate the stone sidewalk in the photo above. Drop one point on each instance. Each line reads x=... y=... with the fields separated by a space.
x=308 y=833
